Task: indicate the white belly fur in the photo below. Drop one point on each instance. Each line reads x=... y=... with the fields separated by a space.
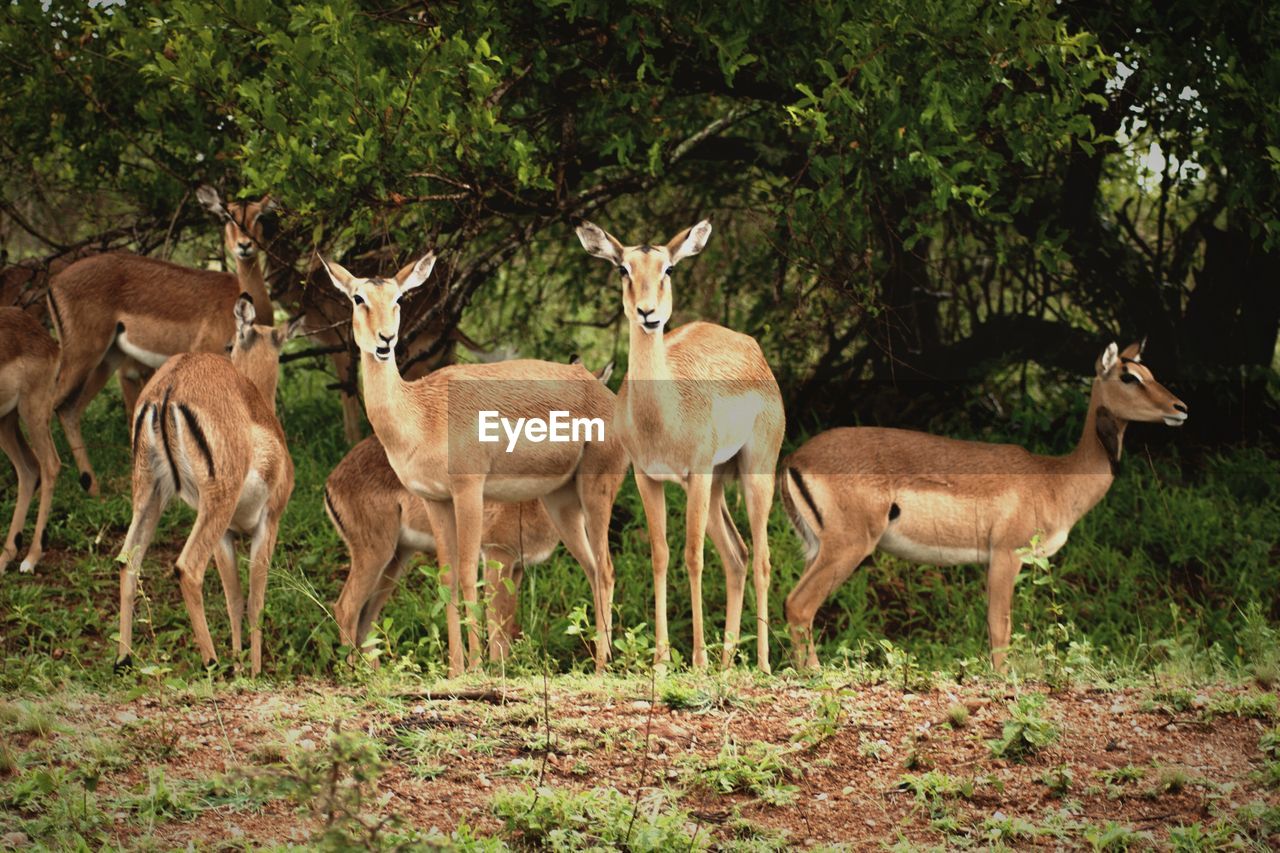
x=418 y=540
x=928 y=554
x=137 y=353
x=735 y=420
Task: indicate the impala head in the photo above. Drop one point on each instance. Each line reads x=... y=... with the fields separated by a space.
x=645 y=270
x=246 y=226
x=1130 y=391
x=255 y=351
x=375 y=303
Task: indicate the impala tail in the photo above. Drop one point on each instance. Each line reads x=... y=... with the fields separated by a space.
x=804 y=514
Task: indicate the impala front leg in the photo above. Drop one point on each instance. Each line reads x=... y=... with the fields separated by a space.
x=655 y=514
x=699 y=492
x=1001 y=573
x=468 y=509
x=441 y=515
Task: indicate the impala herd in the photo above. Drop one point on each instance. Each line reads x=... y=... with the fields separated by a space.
x=198 y=360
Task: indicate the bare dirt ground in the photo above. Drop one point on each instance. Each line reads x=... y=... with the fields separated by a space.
x=861 y=765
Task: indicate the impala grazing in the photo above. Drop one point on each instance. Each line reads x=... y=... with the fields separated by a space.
x=125 y=312
x=206 y=430
x=28 y=363
x=429 y=427
x=383 y=525
x=698 y=406
x=944 y=502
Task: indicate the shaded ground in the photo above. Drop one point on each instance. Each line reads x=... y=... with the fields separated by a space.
x=764 y=761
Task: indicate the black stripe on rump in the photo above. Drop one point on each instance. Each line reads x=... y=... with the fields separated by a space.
x=137 y=424
x=164 y=438
x=804 y=493
x=203 y=443
x=333 y=511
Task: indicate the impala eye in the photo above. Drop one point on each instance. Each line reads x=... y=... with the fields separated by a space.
x=359 y=300
x=622 y=271
x=1129 y=378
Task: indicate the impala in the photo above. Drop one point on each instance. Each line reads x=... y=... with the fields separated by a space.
x=945 y=502
x=28 y=362
x=383 y=525
x=698 y=406
x=118 y=311
x=329 y=314
x=206 y=431
x=428 y=428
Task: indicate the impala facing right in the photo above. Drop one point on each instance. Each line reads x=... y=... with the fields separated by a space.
x=945 y=502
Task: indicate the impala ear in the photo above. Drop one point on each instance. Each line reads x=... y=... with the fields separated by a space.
x=245 y=313
x=688 y=242
x=268 y=204
x=289 y=332
x=1108 y=359
x=604 y=373
x=599 y=242
x=209 y=199
x=1133 y=352
x=414 y=274
x=338 y=274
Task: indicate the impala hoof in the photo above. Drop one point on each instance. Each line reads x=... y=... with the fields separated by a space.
x=123 y=665
x=86 y=482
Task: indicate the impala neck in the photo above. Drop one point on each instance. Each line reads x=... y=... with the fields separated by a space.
x=252 y=282
x=648 y=356
x=1091 y=461
x=384 y=390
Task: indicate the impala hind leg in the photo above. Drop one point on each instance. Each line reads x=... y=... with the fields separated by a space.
x=441 y=515
x=733 y=555
x=565 y=508
x=655 y=513
x=361 y=586
x=835 y=561
x=74 y=396
x=224 y=555
x=1001 y=573
x=148 y=504
x=28 y=470
x=261 y=548
x=758 y=490
x=213 y=517
x=36 y=414
x=386 y=585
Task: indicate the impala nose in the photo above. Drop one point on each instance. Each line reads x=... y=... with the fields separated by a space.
x=383 y=350
x=644 y=317
x=1180 y=406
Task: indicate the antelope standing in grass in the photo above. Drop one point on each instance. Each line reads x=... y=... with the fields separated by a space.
x=383 y=525
x=118 y=311
x=430 y=430
x=206 y=430
x=698 y=406
x=28 y=363
x=945 y=502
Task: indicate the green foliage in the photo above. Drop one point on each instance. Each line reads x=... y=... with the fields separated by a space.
x=1026 y=732
x=597 y=819
x=761 y=769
